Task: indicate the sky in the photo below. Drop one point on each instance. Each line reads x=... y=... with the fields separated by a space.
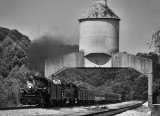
x=140 y=19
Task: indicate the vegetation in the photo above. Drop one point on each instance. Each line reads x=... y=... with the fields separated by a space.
x=14 y=65
x=155 y=42
x=127 y=82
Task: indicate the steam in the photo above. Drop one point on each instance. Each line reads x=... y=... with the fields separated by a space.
x=49 y=46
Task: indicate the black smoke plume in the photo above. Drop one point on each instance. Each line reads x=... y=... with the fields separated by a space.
x=47 y=47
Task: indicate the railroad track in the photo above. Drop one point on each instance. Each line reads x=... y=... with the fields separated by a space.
x=112 y=112
x=98 y=110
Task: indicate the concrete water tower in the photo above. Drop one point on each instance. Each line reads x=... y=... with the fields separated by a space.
x=99 y=34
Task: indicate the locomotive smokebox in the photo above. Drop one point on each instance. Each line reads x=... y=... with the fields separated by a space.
x=99 y=33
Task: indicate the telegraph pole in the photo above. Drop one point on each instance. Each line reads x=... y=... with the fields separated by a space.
x=38 y=30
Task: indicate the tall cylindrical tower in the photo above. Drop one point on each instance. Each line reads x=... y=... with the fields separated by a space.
x=99 y=33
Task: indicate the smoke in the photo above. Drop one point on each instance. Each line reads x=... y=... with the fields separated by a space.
x=49 y=46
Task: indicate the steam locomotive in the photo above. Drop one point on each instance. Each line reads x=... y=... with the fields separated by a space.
x=43 y=92
x=35 y=91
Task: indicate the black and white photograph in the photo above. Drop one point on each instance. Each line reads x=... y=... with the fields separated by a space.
x=79 y=57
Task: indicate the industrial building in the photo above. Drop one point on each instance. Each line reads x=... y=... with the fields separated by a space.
x=99 y=46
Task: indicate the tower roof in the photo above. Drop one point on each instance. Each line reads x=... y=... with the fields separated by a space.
x=99 y=10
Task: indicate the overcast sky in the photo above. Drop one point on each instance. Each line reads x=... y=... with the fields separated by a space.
x=139 y=19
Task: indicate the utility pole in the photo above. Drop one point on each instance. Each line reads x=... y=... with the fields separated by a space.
x=38 y=30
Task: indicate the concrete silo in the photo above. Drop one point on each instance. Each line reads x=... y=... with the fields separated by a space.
x=99 y=34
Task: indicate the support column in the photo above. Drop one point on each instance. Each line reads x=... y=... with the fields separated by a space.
x=150 y=83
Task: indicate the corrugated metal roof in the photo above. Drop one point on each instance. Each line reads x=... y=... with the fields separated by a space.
x=99 y=10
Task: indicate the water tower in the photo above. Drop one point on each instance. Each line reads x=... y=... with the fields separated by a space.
x=99 y=34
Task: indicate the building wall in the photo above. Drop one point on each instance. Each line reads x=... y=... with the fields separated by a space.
x=99 y=35
x=89 y=63
x=118 y=59
x=140 y=64
x=69 y=60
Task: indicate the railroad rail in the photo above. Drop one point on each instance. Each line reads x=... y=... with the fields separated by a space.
x=16 y=108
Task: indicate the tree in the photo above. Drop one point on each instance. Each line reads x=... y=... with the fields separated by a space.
x=2 y=36
x=155 y=41
x=13 y=65
x=140 y=87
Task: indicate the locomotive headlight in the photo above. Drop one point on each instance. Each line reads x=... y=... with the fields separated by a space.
x=29 y=86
